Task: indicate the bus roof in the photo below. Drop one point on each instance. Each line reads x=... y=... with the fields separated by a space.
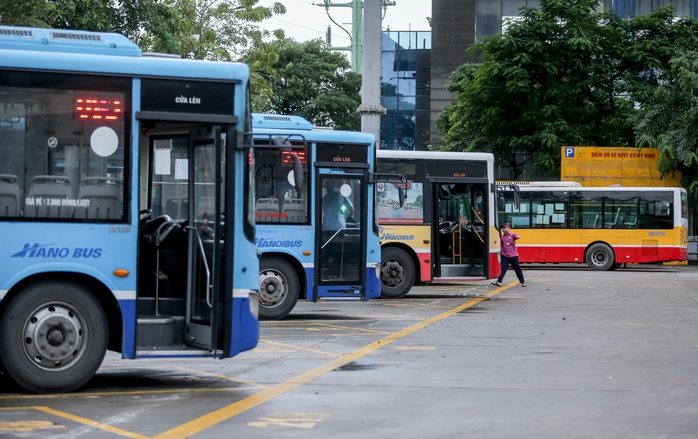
x=600 y=188
x=59 y=50
x=280 y=121
x=64 y=40
x=436 y=155
x=283 y=125
x=541 y=183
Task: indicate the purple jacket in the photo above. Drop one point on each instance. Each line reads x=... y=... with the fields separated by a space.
x=509 y=244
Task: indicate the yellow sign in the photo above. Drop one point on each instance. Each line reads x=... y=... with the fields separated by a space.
x=611 y=165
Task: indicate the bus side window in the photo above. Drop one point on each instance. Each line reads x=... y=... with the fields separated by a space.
x=9 y=195
x=43 y=191
x=101 y=197
x=267 y=210
x=293 y=211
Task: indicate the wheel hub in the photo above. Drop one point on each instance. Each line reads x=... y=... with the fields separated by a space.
x=54 y=337
x=599 y=258
x=271 y=288
x=392 y=273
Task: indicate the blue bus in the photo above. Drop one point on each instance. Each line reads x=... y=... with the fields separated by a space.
x=316 y=228
x=126 y=209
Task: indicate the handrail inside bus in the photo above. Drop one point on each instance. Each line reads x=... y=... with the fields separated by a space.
x=205 y=264
x=473 y=226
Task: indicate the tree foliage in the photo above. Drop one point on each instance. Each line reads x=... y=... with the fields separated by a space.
x=564 y=74
x=305 y=79
x=669 y=121
x=216 y=29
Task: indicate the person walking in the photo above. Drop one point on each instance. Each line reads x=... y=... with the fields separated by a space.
x=510 y=255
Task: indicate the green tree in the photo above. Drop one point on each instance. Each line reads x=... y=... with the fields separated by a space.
x=565 y=74
x=307 y=80
x=131 y=18
x=218 y=29
x=23 y=13
x=669 y=121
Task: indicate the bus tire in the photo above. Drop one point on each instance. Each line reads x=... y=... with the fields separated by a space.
x=397 y=273
x=53 y=337
x=279 y=288
x=600 y=257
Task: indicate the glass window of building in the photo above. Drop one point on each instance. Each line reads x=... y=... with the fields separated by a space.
x=405 y=89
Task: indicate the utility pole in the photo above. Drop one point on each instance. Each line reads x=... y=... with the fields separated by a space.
x=356 y=36
x=356 y=46
x=365 y=56
x=370 y=108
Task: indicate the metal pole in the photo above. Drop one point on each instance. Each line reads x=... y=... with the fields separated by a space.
x=370 y=108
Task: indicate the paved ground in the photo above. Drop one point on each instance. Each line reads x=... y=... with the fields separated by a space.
x=577 y=354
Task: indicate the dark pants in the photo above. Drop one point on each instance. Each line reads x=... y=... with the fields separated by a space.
x=515 y=264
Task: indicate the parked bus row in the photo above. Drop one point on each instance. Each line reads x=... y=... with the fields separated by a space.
x=145 y=210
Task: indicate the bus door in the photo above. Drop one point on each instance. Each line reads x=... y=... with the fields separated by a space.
x=340 y=253
x=459 y=235
x=184 y=227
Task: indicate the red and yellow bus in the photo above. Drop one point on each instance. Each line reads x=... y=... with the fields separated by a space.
x=446 y=229
x=603 y=227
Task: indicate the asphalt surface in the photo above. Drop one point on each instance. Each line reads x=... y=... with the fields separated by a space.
x=577 y=354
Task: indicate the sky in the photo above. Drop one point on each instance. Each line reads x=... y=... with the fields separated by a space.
x=307 y=19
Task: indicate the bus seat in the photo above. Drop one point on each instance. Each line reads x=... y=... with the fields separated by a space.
x=45 y=188
x=294 y=210
x=104 y=194
x=9 y=195
x=267 y=209
x=612 y=225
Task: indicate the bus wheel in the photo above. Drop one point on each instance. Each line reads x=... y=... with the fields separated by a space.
x=397 y=273
x=600 y=257
x=278 y=288
x=53 y=337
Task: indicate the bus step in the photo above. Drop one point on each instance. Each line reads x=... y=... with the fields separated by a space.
x=160 y=330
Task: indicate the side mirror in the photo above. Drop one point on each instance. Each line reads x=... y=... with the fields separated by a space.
x=297 y=171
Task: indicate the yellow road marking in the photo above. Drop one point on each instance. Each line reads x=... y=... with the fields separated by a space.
x=351 y=328
x=80 y=420
x=293 y=420
x=28 y=425
x=297 y=348
x=206 y=421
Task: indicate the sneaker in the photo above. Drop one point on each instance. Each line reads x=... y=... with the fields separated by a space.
x=524 y=285
x=497 y=284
